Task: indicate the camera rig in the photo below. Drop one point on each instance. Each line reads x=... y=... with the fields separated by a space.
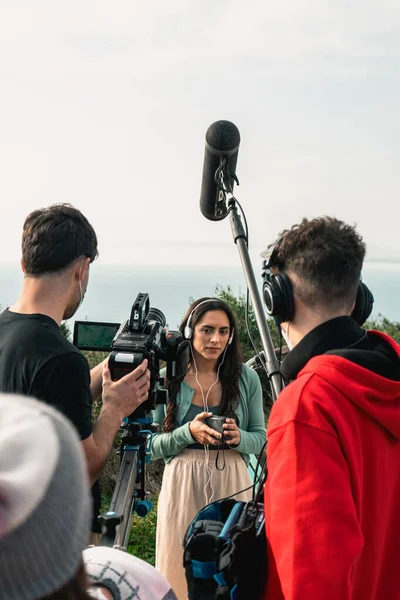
x=143 y=336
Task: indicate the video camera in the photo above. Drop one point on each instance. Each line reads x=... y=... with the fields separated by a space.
x=142 y=336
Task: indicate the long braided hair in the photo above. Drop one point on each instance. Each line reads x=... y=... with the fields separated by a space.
x=230 y=371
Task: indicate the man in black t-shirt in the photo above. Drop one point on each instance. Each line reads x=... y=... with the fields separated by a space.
x=58 y=245
x=36 y=360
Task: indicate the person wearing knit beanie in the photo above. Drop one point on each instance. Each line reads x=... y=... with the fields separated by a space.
x=45 y=506
x=45 y=515
x=117 y=575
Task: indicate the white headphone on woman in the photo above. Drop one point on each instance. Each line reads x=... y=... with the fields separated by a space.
x=188 y=331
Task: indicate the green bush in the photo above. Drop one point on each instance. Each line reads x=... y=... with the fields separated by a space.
x=381 y=323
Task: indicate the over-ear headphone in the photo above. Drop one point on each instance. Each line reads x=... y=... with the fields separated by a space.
x=364 y=304
x=279 y=301
x=188 y=331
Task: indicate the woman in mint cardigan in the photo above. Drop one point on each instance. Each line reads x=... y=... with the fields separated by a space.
x=201 y=465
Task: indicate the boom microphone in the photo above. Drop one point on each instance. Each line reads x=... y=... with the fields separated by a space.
x=220 y=158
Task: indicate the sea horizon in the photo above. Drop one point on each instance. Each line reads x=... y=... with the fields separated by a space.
x=113 y=288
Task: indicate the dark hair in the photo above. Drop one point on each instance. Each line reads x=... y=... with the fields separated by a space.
x=324 y=257
x=74 y=589
x=231 y=368
x=54 y=237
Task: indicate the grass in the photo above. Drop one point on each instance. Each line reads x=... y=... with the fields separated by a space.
x=142 y=538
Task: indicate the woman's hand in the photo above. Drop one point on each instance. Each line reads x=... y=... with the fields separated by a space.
x=201 y=432
x=231 y=432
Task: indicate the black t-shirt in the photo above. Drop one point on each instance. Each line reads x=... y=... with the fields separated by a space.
x=37 y=360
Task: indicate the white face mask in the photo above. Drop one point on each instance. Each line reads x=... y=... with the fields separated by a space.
x=285 y=335
x=82 y=293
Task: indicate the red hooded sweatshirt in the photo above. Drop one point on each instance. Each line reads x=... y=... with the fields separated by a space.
x=332 y=497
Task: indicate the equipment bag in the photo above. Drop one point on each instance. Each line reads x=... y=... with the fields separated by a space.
x=225 y=551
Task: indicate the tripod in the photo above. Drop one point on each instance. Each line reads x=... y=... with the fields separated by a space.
x=129 y=493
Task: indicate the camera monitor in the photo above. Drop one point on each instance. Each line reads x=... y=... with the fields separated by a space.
x=91 y=335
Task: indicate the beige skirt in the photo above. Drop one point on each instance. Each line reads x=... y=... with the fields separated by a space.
x=189 y=483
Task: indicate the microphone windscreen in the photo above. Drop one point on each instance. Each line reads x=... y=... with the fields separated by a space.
x=222 y=146
x=223 y=136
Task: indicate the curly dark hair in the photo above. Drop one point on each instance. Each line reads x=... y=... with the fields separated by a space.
x=54 y=237
x=231 y=368
x=323 y=258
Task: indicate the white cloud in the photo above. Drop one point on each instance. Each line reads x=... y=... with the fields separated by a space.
x=105 y=105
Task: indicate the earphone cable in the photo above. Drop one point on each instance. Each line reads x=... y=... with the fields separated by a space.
x=205 y=406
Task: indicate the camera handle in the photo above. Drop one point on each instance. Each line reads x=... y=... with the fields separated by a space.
x=239 y=237
x=129 y=492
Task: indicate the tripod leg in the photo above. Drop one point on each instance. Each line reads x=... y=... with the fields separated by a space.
x=117 y=521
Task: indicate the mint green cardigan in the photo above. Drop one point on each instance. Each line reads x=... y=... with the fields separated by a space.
x=249 y=412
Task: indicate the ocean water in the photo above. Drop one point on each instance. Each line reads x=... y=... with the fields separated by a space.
x=113 y=289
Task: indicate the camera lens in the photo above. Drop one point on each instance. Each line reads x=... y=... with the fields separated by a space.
x=156 y=315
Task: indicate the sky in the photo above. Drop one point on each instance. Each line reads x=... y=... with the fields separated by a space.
x=106 y=104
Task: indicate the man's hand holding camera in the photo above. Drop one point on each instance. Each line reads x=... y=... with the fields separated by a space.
x=127 y=394
x=120 y=399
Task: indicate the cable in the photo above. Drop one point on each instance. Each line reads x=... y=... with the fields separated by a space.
x=247 y=488
x=205 y=406
x=220 y=449
x=246 y=229
x=258 y=353
x=263 y=470
x=246 y=313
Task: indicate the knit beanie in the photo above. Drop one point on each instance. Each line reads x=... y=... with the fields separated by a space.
x=45 y=507
x=125 y=576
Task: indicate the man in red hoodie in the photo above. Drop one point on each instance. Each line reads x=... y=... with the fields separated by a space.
x=332 y=497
